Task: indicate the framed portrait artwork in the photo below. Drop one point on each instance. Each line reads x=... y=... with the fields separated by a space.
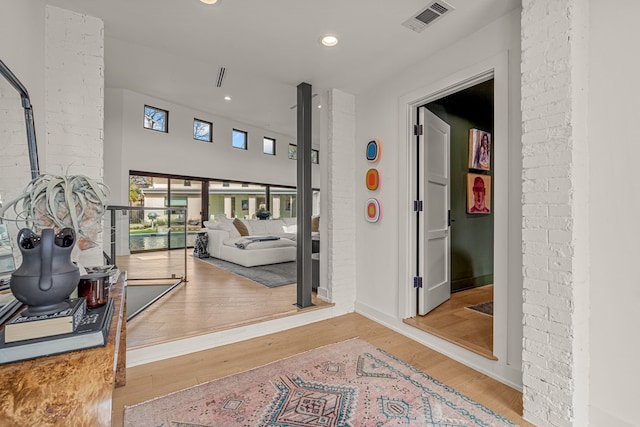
x=478 y=194
x=479 y=150
x=244 y=205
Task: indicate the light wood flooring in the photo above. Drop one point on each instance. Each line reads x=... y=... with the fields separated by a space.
x=455 y=323
x=156 y=379
x=212 y=299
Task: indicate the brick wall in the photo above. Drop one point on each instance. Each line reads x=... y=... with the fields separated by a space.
x=340 y=198
x=74 y=97
x=74 y=81
x=555 y=212
x=14 y=162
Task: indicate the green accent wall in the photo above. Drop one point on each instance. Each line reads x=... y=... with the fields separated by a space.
x=471 y=234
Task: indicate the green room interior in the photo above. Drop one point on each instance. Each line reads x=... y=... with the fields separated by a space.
x=471 y=234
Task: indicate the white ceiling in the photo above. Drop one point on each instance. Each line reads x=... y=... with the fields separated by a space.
x=173 y=49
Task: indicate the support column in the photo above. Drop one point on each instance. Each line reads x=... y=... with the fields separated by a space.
x=304 y=193
x=555 y=212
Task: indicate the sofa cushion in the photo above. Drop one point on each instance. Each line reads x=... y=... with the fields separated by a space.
x=227 y=225
x=289 y=221
x=211 y=225
x=265 y=227
x=290 y=228
x=242 y=228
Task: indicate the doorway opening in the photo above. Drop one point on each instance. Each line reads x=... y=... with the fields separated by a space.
x=469 y=259
x=455 y=231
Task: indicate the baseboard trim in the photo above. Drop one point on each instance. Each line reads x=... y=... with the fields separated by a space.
x=155 y=353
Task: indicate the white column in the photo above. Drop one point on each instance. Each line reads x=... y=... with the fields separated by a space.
x=337 y=250
x=74 y=98
x=555 y=212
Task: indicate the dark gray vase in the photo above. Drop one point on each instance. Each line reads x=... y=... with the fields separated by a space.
x=46 y=277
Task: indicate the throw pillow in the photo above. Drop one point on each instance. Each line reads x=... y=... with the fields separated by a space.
x=290 y=228
x=242 y=229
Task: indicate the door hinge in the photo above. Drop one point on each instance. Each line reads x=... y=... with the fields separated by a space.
x=417 y=130
x=417 y=205
x=417 y=282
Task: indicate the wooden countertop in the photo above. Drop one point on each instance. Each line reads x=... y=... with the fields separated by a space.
x=69 y=389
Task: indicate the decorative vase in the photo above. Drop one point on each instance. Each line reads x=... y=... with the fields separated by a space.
x=46 y=277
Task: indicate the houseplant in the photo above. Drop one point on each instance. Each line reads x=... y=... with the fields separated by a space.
x=263 y=213
x=56 y=201
x=73 y=207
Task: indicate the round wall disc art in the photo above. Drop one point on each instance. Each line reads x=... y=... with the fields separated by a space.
x=373 y=210
x=374 y=149
x=373 y=179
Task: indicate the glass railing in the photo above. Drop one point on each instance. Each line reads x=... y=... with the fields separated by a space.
x=149 y=243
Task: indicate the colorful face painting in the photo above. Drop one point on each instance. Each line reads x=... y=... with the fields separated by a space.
x=373 y=210
x=373 y=150
x=373 y=179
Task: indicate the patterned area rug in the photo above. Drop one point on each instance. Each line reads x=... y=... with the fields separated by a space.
x=350 y=383
x=484 y=308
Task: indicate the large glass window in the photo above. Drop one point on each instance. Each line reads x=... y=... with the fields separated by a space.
x=171 y=206
x=239 y=139
x=174 y=206
x=236 y=199
x=283 y=202
x=156 y=119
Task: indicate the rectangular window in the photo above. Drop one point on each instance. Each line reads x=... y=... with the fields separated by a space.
x=202 y=130
x=269 y=146
x=156 y=119
x=239 y=139
x=315 y=156
x=293 y=151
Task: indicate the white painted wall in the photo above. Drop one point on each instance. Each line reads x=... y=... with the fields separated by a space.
x=377 y=245
x=128 y=146
x=614 y=145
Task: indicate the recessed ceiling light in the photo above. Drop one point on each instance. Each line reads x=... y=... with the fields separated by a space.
x=319 y=106
x=329 y=40
x=210 y=1
x=227 y=98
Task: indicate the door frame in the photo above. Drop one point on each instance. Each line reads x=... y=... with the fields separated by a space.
x=497 y=68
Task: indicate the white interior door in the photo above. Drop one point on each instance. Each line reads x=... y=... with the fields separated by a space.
x=433 y=240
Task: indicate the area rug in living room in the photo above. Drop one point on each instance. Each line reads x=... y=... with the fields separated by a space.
x=271 y=275
x=351 y=383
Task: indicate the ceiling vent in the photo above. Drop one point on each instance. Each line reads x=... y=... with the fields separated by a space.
x=220 y=76
x=428 y=15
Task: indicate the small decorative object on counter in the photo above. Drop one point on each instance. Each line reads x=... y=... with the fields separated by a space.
x=46 y=277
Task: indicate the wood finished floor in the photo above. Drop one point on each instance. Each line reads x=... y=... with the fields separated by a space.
x=156 y=379
x=455 y=323
x=212 y=299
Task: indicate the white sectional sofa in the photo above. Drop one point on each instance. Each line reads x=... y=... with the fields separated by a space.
x=252 y=242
